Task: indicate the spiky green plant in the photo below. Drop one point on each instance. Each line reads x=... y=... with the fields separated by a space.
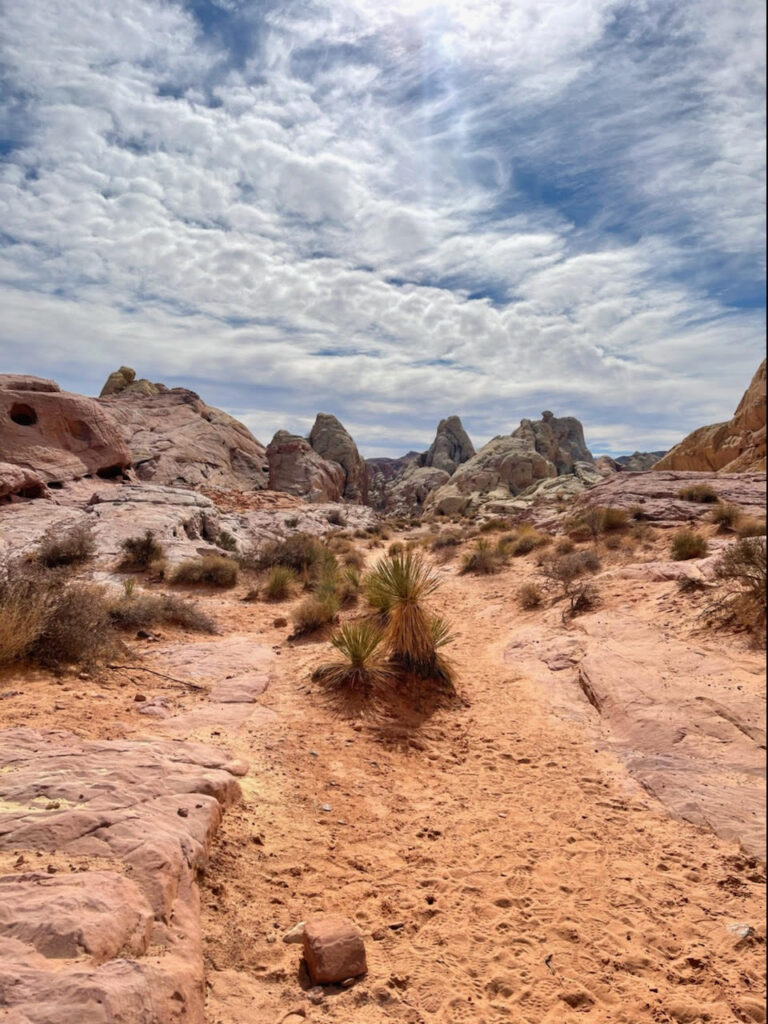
x=397 y=586
x=363 y=668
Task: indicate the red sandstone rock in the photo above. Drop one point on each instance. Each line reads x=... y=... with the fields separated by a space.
x=54 y=435
x=334 y=950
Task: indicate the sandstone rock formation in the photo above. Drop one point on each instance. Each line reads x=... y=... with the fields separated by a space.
x=511 y=464
x=295 y=467
x=177 y=440
x=401 y=486
x=332 y=442
x=119 y=941
x=451 y=446
x=52 y=436
x=638 y=461
x=654 y=494
x=737 y=446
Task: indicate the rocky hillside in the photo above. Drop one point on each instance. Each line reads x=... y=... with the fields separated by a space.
x=518 y=464
x=736 y=446
x=177 y=440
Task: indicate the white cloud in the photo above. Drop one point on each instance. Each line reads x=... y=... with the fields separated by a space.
x=307 y=229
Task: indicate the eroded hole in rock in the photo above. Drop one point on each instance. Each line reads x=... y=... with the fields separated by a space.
x=55 y=485
x=80 y=431
x=110 y=472
x=23 y=414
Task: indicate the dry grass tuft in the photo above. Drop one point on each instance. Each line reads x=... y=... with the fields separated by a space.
x=688 y=544
x=702 y=494
x=210 y=570
x=143 y=611
x=483 y=560
x=279 y=584
x=726 y=517
x=530 y=596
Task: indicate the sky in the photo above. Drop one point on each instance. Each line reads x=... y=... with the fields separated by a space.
x=393 y=212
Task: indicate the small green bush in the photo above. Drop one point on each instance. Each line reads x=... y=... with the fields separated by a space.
x=688 y=544
x=210 y=570
x=703 y=494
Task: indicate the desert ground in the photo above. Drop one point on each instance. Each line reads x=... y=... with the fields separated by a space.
x=512 y=854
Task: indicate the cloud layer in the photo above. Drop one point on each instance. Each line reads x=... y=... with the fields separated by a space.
x=393 y=212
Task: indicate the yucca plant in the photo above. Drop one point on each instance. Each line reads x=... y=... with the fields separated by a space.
x=363 y=667
x=397 y=588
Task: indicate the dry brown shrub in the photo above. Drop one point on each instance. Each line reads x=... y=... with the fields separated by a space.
x=742 y=570
x=210 y=570
x=688 y=544
x=139 y=553
x=66 y=547
x=530 y=596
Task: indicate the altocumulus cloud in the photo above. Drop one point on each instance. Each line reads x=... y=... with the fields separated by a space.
x=391 y=211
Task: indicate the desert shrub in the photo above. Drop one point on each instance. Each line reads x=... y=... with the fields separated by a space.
x=583 y=597
x=336 y=517
x=300 y=552
x=279 y=584
x=613 y=541
x=353 y=559
x=690 y=584
x=26 y=594
x=703 y=494
x=615 y=519
x=210 y=570
x=66 y=547
x=751 y=528
x=563 y=570
x=489 y=525
x=725 y=516
x=364 y=667
x=742 y=568
x=447 y=539
x=688 y=544
x=530 y=596
x=76 y=629
x=292 y=522
x=226 y=541
x=483 y=560
x=142 y=611
x=395 y=548
x=140 y=552
x=314 y=612
x=528 y=539
x=564 y=546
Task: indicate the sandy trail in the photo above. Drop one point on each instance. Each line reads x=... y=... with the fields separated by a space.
x=500 y=867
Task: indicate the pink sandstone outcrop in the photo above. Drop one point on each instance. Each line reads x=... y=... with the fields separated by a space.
x=737 y=446
x=295 y=467
x=104 y=927
x=177 y=440
x=654 y=495
x=54 y=436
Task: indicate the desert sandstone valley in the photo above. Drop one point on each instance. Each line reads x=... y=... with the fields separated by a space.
x=525 y=783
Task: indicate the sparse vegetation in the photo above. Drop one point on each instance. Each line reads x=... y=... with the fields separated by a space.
x=742 y=569
x=564 y=546
x=300 y=552
x=139 y=553
x=395 y=548
x=483 y=560
x=527 y=540
x=66 y=547
x=702 y=494
x=364 y=668
x=530 y=596
x=336 y=517
x=49 y=619
x=489 y=525
x=279 y=584
x=314 y=612
x=226 y=541
x=143 y=611
x=210 y=570
x=565 y=575
x=751 y=528
x=726 y=517
x=688 y=544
